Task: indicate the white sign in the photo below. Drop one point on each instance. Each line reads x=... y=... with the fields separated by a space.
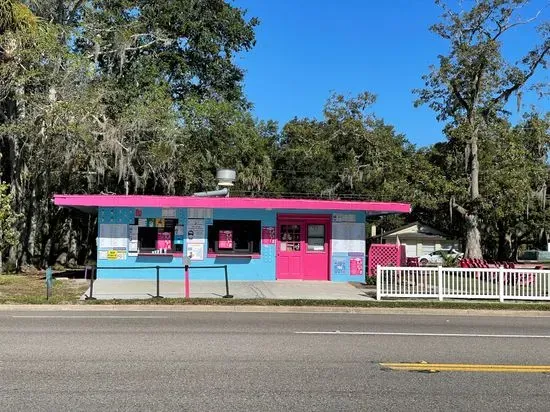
x=113 y=236
x=195 y=251
x=132 y=232
x=196 y=230
x=348 y=237
x=133 y=239
x=196 y=213
x=133 y=246
x=169 y=213
x=340 y=217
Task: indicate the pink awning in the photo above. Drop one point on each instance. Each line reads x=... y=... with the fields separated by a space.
x=141 y=201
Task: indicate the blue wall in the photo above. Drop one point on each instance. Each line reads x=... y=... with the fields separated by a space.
x=262 y=268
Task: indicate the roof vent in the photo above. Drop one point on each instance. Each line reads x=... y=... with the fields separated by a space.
x=226 y=177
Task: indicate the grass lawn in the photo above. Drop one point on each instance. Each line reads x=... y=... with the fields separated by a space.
x=32 y=289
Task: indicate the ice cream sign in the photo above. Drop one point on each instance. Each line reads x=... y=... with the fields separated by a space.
x=225 y=239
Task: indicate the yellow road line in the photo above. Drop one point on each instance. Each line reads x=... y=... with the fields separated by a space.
x=464 y=367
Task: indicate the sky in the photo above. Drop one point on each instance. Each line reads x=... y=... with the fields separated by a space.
x=308 y=49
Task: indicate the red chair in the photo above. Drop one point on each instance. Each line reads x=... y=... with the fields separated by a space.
x=412 y=262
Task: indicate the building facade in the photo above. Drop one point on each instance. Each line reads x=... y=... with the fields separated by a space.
x=258 y=239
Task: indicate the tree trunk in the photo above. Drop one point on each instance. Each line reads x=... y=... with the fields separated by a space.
x=17 y=190
x=29 y=234
x=17 y=110
x=473 y=238
x=474 y=167
x=504 y=251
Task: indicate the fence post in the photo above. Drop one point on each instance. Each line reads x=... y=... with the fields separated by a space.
x=157 y=296
x=227 y=295
x=378 y=282
x=91 y=297
x=49 y=282
x=501 y=283
x=440 y=283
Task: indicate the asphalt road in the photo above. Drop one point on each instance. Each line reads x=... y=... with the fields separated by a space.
x=160 y=361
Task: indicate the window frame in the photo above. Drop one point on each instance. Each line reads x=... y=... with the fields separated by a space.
x=176 y=248
x=323 y=237
x=253 y=242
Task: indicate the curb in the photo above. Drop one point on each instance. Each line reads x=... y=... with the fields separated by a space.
x=273 y=309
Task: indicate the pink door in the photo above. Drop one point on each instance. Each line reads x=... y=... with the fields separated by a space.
x=289 y=250
x=316 y=253
x=303 y=248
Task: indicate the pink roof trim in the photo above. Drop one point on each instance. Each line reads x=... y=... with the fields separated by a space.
x=226 y=203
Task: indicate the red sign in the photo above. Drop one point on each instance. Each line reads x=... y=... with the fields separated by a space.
x=268 y=235
x=225 y=239
x=356 y=266
x=138 y=212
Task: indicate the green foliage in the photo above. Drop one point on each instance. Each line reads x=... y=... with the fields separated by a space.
x=9 y=235
x=471 y=86
x=354 y=154
x=450 y=261
x=144 y=96
x=102 y=96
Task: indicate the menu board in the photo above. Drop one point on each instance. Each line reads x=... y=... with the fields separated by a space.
x=196 y=230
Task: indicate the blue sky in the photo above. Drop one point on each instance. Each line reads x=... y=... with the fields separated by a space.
x=307 y=49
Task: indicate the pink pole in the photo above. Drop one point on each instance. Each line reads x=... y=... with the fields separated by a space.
x=186 y=282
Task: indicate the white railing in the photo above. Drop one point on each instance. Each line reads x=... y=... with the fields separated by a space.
x=462 y=283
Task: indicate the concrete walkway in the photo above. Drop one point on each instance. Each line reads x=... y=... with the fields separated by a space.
x=144 y=289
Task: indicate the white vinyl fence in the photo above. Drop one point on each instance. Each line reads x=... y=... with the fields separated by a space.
x=462 y=283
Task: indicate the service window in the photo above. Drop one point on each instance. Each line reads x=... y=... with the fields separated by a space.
x=234 y=236
x=157 y=235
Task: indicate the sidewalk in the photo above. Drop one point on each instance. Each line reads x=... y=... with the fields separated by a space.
x=144 y=289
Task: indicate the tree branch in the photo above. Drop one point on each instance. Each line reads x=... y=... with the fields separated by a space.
x=506 y=93
x=459 y=209
x=458 y=95
x=72 y=12
x=503 y=29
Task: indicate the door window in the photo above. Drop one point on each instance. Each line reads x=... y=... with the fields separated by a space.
x=316 y=238
x=290 y=238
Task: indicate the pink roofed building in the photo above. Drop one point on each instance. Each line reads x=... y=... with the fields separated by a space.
x=257 y=238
